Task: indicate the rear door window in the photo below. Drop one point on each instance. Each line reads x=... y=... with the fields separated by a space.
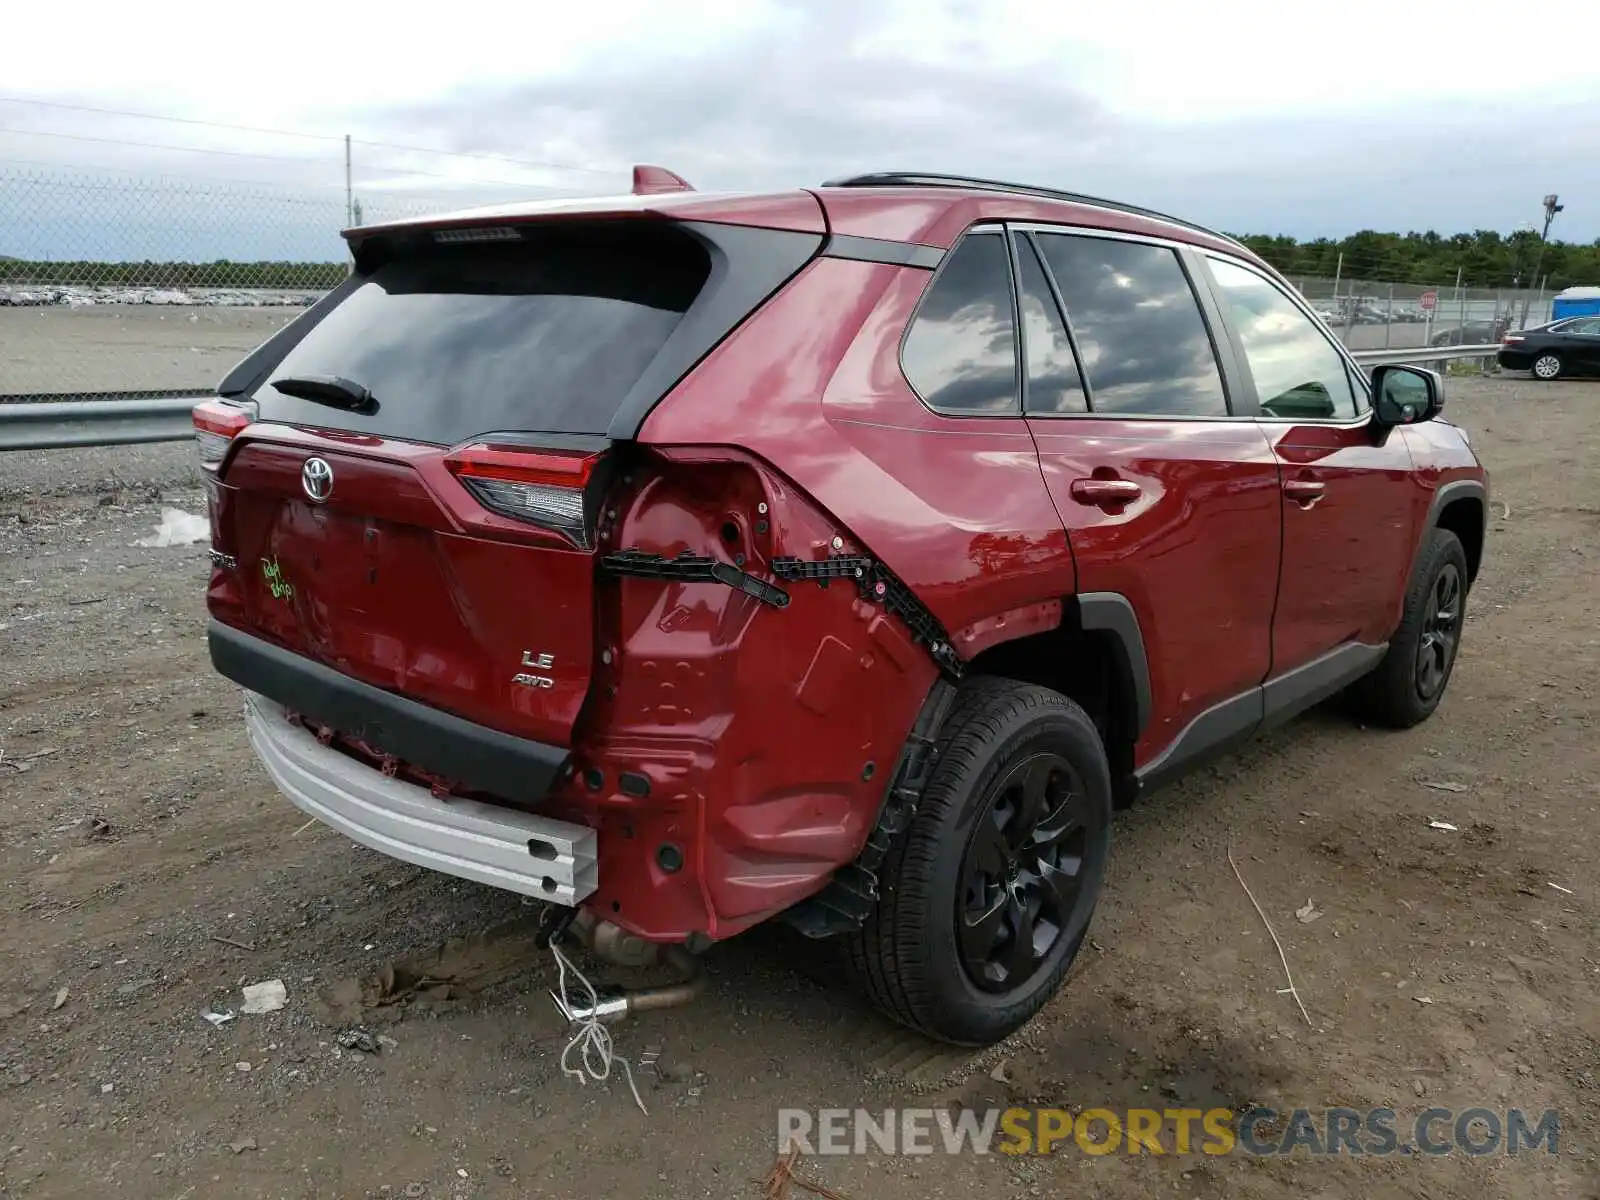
x=960 y=353
x=458 y=340
x=1144 y=344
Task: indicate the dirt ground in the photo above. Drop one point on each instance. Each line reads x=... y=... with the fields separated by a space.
x=124 y=347
x=148 y=870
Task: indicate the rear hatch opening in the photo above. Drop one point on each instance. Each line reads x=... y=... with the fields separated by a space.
x=406 y=484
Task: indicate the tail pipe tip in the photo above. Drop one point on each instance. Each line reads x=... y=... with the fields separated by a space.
x=616 y=1004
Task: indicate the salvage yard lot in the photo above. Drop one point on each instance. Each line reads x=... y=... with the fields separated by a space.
x=148 y=870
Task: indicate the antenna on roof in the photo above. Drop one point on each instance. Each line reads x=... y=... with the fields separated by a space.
x=653 y=181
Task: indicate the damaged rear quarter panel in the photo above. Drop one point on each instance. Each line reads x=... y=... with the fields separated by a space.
x=767 y=734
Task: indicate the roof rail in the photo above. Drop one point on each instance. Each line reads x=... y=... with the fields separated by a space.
x=929 y=179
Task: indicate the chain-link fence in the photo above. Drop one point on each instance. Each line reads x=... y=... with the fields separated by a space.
x=1374 y=315
x=111 y=283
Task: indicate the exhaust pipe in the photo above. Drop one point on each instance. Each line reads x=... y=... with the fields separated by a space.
x=611 y=943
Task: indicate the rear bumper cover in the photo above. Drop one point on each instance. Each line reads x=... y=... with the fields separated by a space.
x=501 y=847
x=482 y=759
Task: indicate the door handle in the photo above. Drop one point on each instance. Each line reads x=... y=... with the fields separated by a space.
x=1105 y=493
x=1304 y=492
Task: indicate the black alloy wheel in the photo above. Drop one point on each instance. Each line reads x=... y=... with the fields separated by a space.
x=986 y=895
x=1022 y=873
x=1410 y=680
x=1441 y=632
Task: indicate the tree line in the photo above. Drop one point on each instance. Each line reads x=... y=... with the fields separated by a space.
x=1486 y=259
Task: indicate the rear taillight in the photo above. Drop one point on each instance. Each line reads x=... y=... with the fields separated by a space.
x=555 y=489
x=216 y=423
x=1511 y=337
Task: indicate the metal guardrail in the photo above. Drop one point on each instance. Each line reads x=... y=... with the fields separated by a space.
x=56 y=425
x=40 y=423
x=1424 y=354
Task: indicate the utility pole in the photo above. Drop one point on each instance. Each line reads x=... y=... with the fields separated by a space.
x=1461 y=311
x=1552 y=206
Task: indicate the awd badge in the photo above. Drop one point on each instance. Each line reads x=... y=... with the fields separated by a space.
x=540 y=662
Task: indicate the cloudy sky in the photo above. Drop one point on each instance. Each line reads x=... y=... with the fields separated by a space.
x=1254 y=115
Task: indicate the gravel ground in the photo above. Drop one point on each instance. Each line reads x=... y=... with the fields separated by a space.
x=148 y=870
x=108 y=470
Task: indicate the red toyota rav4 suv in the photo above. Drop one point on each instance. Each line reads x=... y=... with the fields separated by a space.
x=842 y=555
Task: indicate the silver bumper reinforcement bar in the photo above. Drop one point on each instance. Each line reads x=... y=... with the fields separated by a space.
x=502 y=847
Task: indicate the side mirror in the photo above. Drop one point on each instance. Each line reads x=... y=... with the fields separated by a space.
x=1403 y=395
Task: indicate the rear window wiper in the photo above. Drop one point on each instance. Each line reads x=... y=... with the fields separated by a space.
x=333 y=390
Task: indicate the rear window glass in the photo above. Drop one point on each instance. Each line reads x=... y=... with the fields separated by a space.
x=455 y=341
x=961 y=351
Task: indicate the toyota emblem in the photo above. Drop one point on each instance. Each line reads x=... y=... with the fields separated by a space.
x=316 y=477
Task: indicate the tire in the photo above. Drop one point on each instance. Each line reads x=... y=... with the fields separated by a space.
x=1407 y=685
x=1547 y=366
x=1003 y=743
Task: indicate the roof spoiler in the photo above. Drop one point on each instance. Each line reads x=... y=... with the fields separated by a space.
x=653 y=181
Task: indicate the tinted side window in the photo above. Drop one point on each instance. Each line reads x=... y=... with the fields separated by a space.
x=1586 y=326
x=1298 y=372
x=961 y=351
x=1053 y=382
x=1138 y=325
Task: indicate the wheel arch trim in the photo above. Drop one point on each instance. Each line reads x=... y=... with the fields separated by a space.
x=1112 y=613
x=1446 y=495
